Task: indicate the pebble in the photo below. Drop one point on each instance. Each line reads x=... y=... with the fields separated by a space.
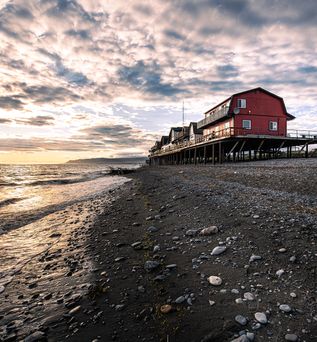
x=166 y=308
x=242 y=338
x=2 y=288
x=292 y=258
x=291 y=337
x=218 y=250
x=151 y=265
x=209 y=231
x=74 y=310
x=215 y=281
x=191 y=232
x=285 y=308
x=156 y=248
x=171 y=266
x=254 y=257
x=293 y=294
x=152 y=229
x=235 y=291
x=249 y=296
x=211 y=302
x=241 y=320
x=260 y=317
x=279 y=272
x=282 y=250
x=180 y=300
x=136 y=244
x=250 y=336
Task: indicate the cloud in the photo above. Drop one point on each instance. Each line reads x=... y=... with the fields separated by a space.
x=82 y=34
x=4 y=121
x=10 y=102
x=39 y=120
x=147 y=78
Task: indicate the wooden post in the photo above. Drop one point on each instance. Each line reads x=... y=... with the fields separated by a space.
x=195 y=156
x=213 y=154
x=306 y=151
x=205 y=154
x=220 y=154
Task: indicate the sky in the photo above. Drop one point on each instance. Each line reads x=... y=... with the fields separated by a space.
x=85 y=79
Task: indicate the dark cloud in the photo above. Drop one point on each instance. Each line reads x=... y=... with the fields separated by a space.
x=19 y=11
x=147 y=78
x=39 y=120
x=10 y=102
x=114 y=131
x=46 y=94
x=227 y=70
x=173 y=34
x=82 y=34
x=4 y=121
x=73 y=77
x=308 y=69
x=67 y=8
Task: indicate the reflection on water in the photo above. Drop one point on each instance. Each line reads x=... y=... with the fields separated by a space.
x=44 y=264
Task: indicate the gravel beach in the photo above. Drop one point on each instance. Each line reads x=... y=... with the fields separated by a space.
x=191 y=253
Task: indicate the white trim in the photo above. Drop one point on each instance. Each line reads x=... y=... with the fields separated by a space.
x=248 y=126
x=273 y=125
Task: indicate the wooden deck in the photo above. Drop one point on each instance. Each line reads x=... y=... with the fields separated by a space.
x=235 y=145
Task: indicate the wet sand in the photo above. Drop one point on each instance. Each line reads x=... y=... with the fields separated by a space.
x=145 y=249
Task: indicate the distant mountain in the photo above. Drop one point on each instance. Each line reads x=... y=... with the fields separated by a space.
x=130 y=160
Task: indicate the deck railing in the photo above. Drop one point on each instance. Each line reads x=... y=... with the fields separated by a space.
x=213 y=117
x=236 y=131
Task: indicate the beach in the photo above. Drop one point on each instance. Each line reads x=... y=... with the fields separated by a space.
x=136 y=263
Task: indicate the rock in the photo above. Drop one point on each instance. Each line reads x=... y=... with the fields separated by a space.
x=239 y=301
x=215 y=281
x=241 y=320
x=282 y=250
x=151 y=265
x=293 y=294
x=211 y=302
x=235 y=291
x=180 y=300
x=242 y=338
x=279 y=272
x=285 y=308
x=249 y=296
x=256 y=216
x=55 y=235
x=36 y=336
x=260 y=317
x=119 y=307
x=141 y=289
x=254 y=257
x=152 y=229
x=136 y=244
x=218 y=250
x=191 y=232
x=118 y=259
x=156 y=248
x=291 y=337
x=292 y=258
x=250 y=336
x=209 y=231
x=74 y=310
x=171 y=266
x=166 y=308
x=2 y=288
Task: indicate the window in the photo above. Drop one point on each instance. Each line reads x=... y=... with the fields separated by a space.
x=227 y=125
x=242 y=103
x=273 y=126
x=246 y=124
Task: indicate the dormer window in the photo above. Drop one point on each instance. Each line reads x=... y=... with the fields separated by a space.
x=242 y=103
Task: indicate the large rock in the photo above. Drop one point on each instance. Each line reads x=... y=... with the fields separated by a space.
x=215 y=281
x=209 y=231
x=151 y=265
x=241 y=320
x=218 y=250
x=291 y=337
x=36 y=336
x=261 y=317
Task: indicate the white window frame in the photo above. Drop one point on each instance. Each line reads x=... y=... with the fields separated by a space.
x=242 y=103
x=273 y=125
x=227 y=125
x=248 y=126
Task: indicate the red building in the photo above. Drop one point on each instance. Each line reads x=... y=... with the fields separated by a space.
x=252 y=112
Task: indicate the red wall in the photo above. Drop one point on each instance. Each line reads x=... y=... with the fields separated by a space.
x=261 y=108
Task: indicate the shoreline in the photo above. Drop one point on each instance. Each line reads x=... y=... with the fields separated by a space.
x=259 y=209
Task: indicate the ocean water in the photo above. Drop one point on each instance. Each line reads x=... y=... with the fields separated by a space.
x=47 y=214
x=28 y=192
